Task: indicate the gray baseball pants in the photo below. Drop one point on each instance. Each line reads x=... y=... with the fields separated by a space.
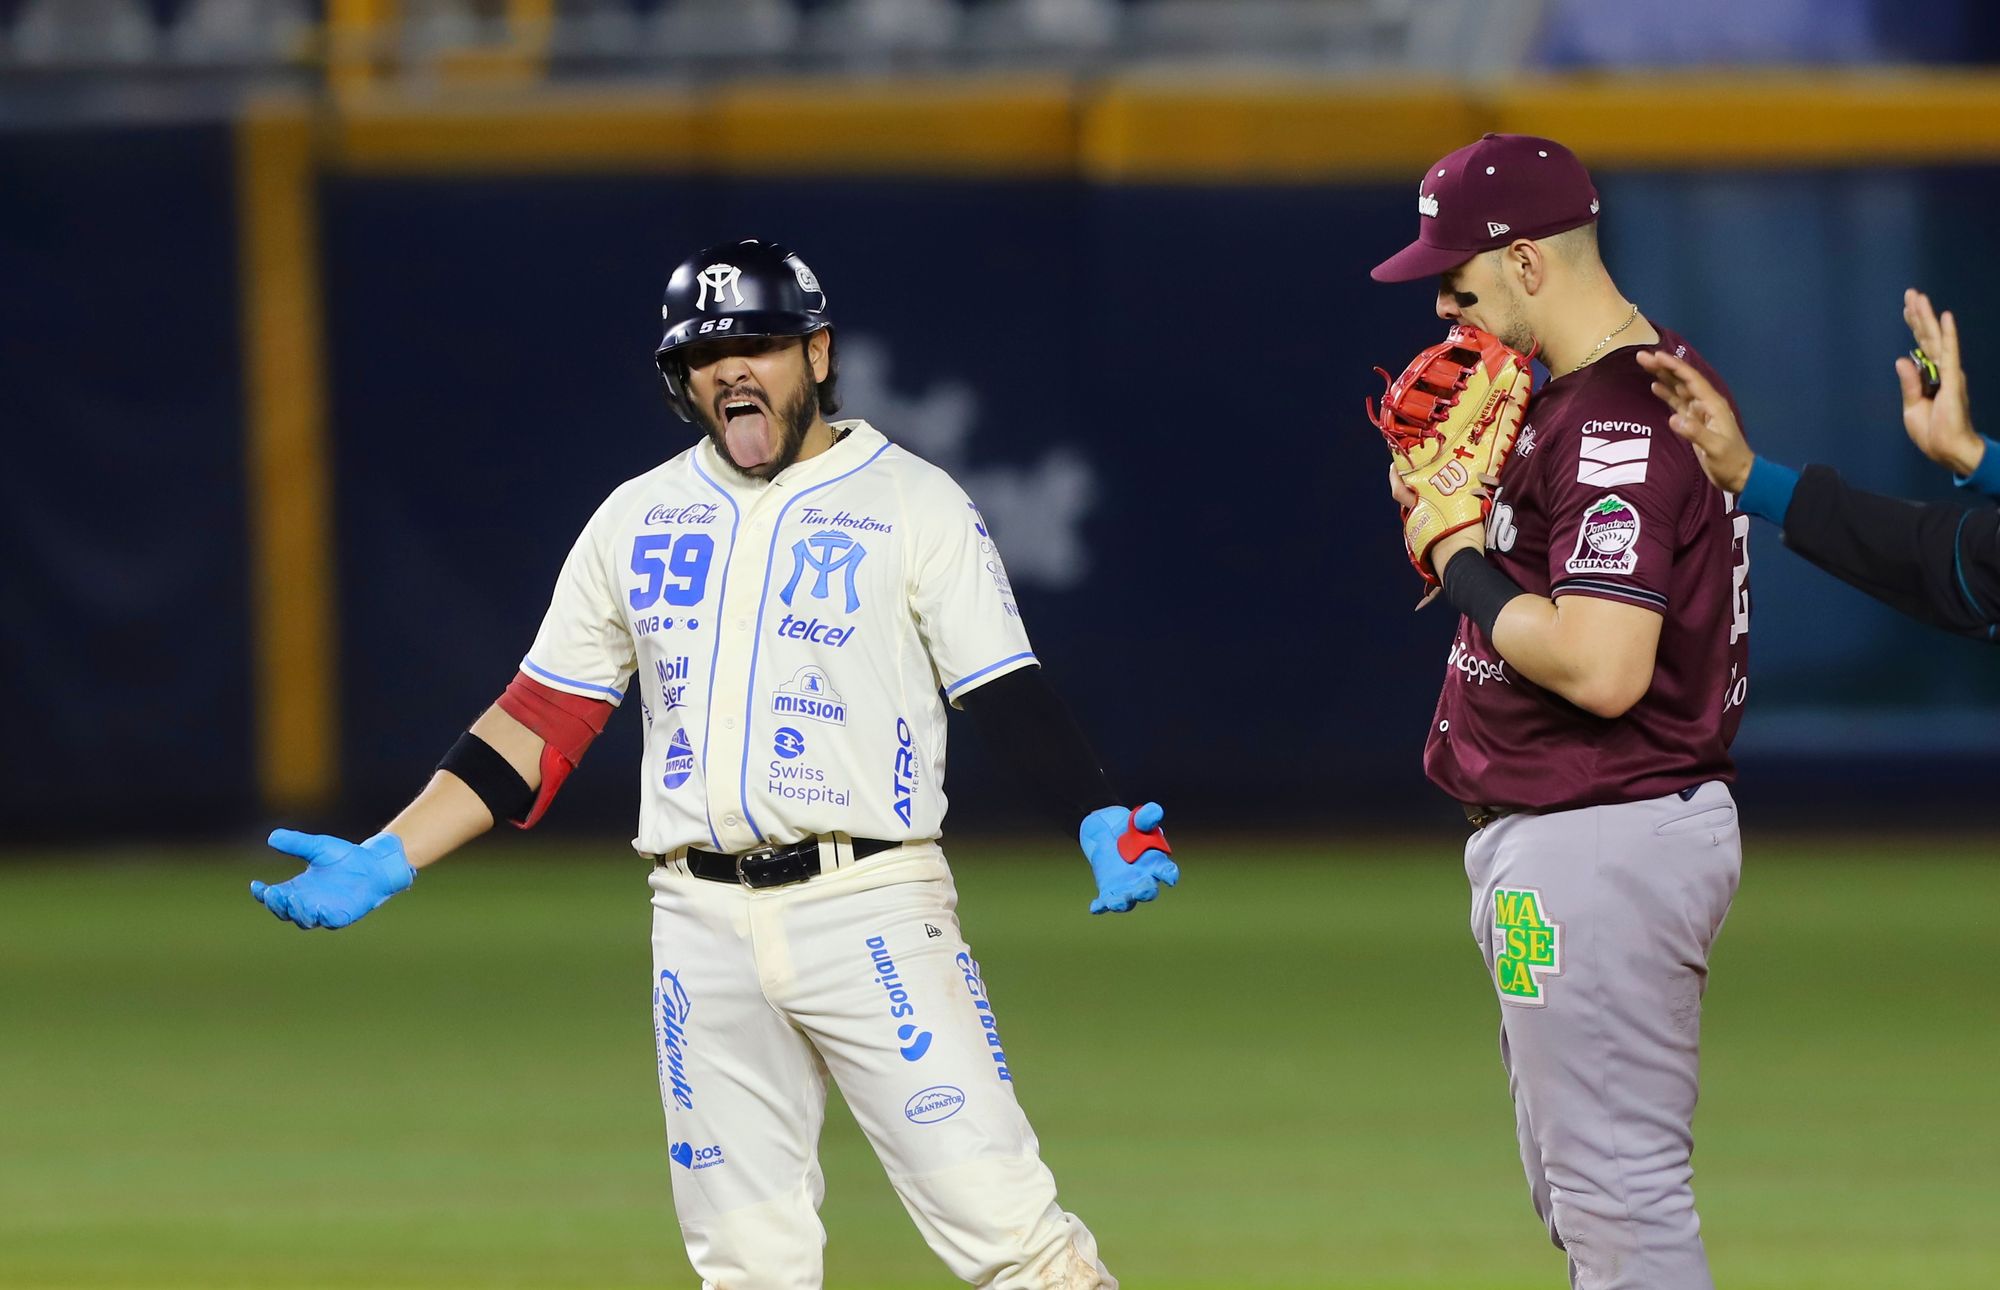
x=1596 y=926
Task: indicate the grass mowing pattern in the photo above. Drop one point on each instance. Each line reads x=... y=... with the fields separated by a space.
x=1283 y=1075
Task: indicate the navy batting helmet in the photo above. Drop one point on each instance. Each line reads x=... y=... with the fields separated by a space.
x=747 y=288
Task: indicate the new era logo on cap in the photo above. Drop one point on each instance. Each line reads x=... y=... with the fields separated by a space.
x=1488 y=193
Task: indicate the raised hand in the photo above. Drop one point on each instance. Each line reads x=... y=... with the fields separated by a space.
x=1939 y=422
x=1702 y=417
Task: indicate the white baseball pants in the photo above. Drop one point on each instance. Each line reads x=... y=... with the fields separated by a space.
x=758 y=995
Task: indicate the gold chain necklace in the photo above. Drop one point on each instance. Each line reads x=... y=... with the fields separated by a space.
x=1629 y=320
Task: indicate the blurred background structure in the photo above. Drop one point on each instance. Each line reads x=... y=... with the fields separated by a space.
x=323 y=326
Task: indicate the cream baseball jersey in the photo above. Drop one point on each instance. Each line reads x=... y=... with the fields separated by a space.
x=793 y=640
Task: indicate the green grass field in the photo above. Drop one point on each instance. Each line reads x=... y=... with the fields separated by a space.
x=1282 y=1076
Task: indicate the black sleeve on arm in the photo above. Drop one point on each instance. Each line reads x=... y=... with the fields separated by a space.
x=1025 y=721
x=1936 y=562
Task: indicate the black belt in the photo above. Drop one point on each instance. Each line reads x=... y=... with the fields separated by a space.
x=1479 y=816
x=769 y=866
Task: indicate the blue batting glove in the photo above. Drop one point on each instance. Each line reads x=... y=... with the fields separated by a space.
x=343 y=880
x=1129 y=856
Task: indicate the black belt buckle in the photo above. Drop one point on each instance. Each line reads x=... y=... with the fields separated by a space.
x=1479 y=816
x=761 y=857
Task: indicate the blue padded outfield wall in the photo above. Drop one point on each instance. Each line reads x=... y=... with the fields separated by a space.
x=1153 y=391
x=124 y=590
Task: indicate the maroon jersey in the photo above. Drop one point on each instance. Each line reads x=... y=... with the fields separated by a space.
x=1601 y=499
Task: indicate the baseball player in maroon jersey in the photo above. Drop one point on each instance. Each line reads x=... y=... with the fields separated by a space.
x=1597 y=678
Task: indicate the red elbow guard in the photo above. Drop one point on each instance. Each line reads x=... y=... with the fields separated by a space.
x=566 y=723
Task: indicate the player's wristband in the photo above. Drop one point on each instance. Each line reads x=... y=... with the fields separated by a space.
x=1985 y=477
x=1768 y=492
x=1477 y=589
x=491 y=776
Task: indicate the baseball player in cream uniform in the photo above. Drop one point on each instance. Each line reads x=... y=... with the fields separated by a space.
x=790 y=603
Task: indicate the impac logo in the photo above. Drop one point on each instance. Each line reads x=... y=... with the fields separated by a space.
x=679 y=763
x=828 y=554
x=809 y=695
x=671 y=1007
x=718 y=278
x=915 y=1042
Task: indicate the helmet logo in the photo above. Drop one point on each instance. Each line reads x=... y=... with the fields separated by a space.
x=719 y=278
x=807 y=281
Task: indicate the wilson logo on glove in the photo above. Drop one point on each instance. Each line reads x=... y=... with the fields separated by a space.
x=1450 y=421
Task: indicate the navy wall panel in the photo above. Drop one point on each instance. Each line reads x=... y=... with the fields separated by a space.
x=124 y=646
x=1153 y=392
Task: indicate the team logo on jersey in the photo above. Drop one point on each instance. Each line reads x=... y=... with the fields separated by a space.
x=976 y=987
x=912 y=1040
x=1526 y=443
x=809 y=695
x=1527 y=946
x=679 y=761
x=829 y=555
x=671 y=1007
x=1608 y=541
x=719 y=278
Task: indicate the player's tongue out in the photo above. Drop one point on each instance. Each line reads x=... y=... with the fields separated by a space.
x=748 y=433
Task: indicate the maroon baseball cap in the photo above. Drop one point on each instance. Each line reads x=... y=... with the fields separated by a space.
x=1487 y=194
